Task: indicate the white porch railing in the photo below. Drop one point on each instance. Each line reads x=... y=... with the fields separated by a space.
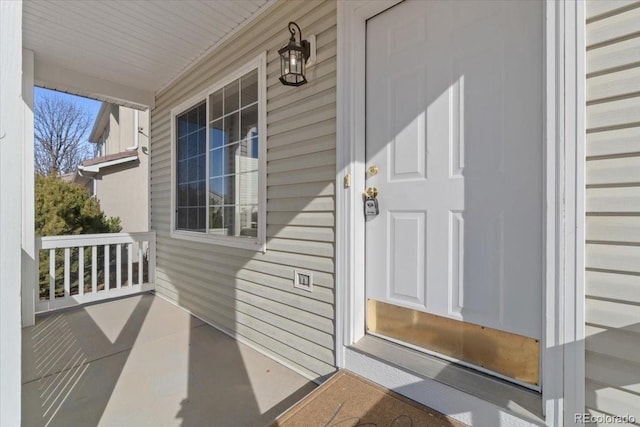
x=92 y=267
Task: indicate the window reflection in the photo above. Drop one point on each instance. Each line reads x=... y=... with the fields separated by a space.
x=191 y=169
x=233 y=158
x=220 y=196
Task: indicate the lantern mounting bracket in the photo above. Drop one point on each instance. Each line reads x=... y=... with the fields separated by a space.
x=306 y=46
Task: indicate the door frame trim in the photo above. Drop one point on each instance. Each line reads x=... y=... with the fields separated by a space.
x=562 y=345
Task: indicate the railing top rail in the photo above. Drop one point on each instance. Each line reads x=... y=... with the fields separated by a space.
x=77 y=240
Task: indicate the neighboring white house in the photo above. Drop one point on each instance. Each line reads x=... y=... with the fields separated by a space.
x=118 y=176
x=498 y=279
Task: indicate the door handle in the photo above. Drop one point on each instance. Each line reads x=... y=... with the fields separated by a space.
x=372 y=192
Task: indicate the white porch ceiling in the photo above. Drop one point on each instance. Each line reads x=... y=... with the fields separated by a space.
x=125 y=51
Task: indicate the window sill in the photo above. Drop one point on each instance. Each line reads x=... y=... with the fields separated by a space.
x=513 y=398
x=233 y=242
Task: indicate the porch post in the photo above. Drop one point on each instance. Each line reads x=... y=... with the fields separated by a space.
x=574 y=238
x=29 y=279
x=11 y=142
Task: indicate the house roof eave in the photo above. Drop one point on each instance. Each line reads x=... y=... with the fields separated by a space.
x=102 y=120
x=94 y=165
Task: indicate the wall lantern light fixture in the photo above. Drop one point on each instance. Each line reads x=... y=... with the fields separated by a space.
x=295 y=57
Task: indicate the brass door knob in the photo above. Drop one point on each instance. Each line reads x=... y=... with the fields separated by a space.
x=372 y=192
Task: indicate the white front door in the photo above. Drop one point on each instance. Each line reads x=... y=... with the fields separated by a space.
x=454 y=125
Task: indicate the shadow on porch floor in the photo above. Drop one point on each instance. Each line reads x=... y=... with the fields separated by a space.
x=140 y=361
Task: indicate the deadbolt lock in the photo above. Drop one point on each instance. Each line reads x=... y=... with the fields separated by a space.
x=373 y=170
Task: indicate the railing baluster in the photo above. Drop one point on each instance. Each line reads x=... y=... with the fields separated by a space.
x=62 y=271
x=94 y=269
x=106 y=267
x=52 y=274
x=151 y=265
x=118 y=266
x=81 y=270
x=130 y=264
x=140 y=266
x=67 y=271
x=37 y=275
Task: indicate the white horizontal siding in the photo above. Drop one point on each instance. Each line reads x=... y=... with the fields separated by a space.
x=613 y=315
x=611 y=400
x=613 y=57
x=614 y=257
x=613 y=229
x=318 y=219
x=616 y=113
x=304 y=161
x=319 y=234
x=615 y=171
x=613 y=371
x=599 y=8
x=616 y=200
x=614 y=142
x=613 y=85
x=623 y=287
x=323 y=143
x=614 y=343
x=301 y=190
x=613 y=208
x=318 y=129
x=617 y=27
x=243 y=292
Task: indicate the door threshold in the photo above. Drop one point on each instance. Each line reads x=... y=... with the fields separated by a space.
x=518 y=400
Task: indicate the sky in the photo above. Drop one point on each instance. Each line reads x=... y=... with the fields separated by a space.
x=89 y=105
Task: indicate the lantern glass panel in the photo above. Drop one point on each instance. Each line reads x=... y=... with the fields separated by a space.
x=284 y=61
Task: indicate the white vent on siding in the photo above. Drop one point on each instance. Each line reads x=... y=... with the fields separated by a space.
x=303 y=280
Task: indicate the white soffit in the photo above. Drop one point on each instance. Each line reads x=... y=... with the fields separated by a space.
x=125 y=49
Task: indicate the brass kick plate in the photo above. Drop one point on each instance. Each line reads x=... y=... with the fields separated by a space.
x=511 y=355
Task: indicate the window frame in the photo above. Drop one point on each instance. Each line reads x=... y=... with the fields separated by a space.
x=259 y=242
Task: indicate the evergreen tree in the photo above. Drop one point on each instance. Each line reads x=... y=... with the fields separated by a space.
x=64 y=208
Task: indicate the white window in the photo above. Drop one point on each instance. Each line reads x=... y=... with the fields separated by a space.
x=101 y=146
x=219 y=162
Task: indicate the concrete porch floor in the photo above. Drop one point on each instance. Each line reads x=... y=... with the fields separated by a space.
x=141 y=361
